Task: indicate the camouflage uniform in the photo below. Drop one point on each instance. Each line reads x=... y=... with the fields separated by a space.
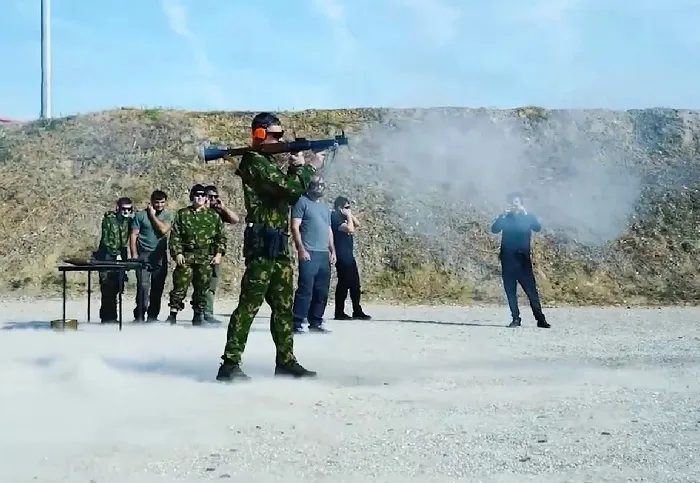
x=211 y=292
x=198 y=235
x=114 y=240
x=268 y=194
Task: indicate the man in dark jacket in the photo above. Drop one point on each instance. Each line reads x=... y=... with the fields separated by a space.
x=344 y=224
x=516 y=226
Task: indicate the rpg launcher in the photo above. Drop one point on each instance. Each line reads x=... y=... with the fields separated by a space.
x=299 y=144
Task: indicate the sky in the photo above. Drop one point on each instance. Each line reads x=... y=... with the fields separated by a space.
x=302 y=54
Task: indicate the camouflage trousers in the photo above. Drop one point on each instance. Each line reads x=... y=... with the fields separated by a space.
x=199 y=275
x=211 y=293
x=264 y=280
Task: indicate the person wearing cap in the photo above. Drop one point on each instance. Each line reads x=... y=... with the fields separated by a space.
x=197 y=241
x=516 y=226
x=344 y=224
x=114 y=242
x=269 y=191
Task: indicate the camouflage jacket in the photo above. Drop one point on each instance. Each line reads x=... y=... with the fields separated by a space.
x=268 y=191
x=198 y=235
x=114 y=237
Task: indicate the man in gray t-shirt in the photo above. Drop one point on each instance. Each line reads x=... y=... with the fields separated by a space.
x=149 y=242
x=313 y=238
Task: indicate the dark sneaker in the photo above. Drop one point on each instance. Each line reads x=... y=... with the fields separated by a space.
x=295 y=370
x=542 y=324
x=172 y=318
x=110 y=321
x=318 y=329
x=298 y=329
x=516 y=322
x=342 y=316
x=151 y=319
x=139 y=320
x=231 y=372
x=361 y=316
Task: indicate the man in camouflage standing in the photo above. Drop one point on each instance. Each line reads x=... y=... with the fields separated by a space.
x=268 y=193
x=197 y=241
x=227 y=216
x=114 y=240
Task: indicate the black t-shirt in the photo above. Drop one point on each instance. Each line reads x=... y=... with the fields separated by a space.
x=343 y=241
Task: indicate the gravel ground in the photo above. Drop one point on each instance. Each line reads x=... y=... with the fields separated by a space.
x=419 y=394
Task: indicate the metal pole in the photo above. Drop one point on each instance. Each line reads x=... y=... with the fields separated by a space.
x=46 y=59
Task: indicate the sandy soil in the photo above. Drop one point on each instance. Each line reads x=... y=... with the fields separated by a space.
x=418 y=394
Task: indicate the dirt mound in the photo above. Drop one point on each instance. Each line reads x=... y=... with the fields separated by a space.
x=58 y=177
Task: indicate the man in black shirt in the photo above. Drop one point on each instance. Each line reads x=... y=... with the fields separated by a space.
x=516 y=226
x=344 y=224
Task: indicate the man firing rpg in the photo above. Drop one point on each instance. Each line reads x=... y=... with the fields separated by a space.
x=268 y=194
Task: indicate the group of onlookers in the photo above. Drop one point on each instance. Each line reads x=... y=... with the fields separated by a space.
x=323 y=236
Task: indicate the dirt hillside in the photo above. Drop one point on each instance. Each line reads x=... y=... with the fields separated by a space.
x=57 y=178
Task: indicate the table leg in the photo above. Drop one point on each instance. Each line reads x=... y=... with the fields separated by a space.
x=121 y=289
x=89 y=291
x=64 y=300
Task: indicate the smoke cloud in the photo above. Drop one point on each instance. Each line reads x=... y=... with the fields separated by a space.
x=443 y=166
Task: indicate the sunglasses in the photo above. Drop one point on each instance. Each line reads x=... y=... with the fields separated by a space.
x=276 y=134
x=213 y=197
x=199 y=195
x=126 y=209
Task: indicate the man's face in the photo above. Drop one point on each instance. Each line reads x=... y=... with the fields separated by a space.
x=125 y=210
x=516 y=203
x=317 y=187
x=199 y=198
x=274 y=134
x=212 y=198
x=158 y=205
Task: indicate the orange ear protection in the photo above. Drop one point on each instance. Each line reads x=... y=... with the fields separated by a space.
x=259 y=133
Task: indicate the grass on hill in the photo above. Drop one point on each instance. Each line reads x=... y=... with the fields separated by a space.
x=58 y=177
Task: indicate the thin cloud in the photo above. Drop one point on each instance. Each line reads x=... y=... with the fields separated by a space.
x=178 y=22
x=334 y=13
x=436 y=20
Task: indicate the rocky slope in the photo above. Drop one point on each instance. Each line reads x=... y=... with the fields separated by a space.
x=616 y=191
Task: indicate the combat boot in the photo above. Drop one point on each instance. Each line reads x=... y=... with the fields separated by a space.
x=210 y=319
x=172 y=318
x=515 y=323
x=229 y=372
x=543 y=324
x=294 y=369
x=198 y=319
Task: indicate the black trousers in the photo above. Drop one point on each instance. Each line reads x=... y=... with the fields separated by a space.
x=516 y=268
x=111 y=283
x=348 y=281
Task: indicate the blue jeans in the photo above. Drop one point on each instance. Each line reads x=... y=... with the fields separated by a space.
x=314 y=283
